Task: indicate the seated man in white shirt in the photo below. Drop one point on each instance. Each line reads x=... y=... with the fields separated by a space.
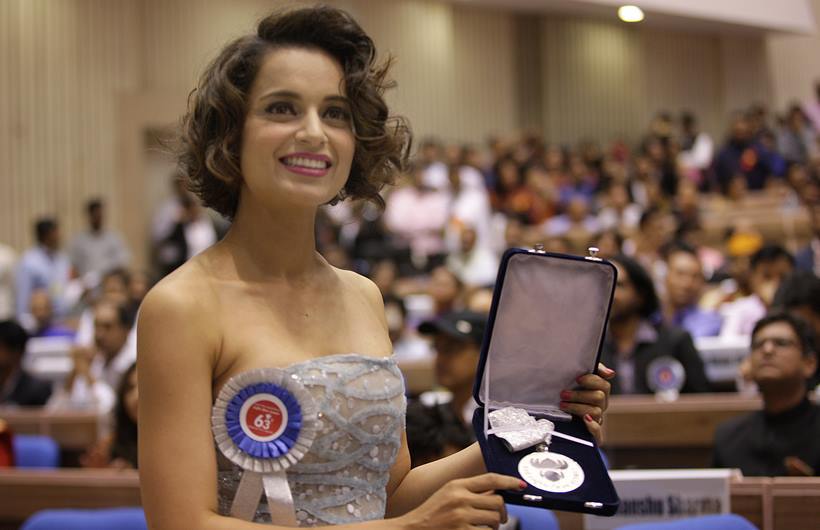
x=97 y=370
x=474 y=263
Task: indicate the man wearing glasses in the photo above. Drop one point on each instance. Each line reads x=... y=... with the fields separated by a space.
x=782 y=438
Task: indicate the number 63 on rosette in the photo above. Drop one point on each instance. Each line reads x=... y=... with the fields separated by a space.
x=264 y=422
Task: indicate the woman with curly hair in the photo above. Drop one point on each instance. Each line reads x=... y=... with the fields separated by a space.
x=282 y=122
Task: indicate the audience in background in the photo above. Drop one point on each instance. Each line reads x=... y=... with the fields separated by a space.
x=45 y=266
x=417 y=214
x=768 y=267
x=742 y=158
x=684 y=286
x=97 y=370
x=795 y=139
x=193 y=232
x=812 y=108
x=434 y=254
x=697 y=149
x=782 y=438
x=98 y=249
x=115 y=287
x=42 y=322
x=457 y=337
x=619 y=213
x=433 y=432
x=634 y=340
x=8 y=260
x=799 y=294
x=120 y=449
x=445 y=290
x=472 y=263
x=406 y=346
x=16 y=386
x=808 y=257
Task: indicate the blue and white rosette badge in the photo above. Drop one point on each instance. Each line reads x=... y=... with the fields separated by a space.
x=665 y=376
x=264 y=422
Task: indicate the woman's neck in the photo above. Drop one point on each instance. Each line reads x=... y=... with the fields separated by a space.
x=270 y=243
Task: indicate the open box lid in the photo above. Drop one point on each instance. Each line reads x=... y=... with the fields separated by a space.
x=545 y=328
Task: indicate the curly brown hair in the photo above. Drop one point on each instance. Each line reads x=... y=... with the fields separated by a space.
x=211 y=131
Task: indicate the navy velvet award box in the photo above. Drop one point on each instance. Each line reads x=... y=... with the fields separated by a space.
x=545 y=328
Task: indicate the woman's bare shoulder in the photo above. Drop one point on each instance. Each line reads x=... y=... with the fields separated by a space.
x=361 y=284
x=182 y=301
x=365 y=288
x=187 y=287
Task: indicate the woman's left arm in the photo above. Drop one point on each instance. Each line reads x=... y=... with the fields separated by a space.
x=408 y=488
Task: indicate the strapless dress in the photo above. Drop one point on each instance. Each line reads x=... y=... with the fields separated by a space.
x=343 y=477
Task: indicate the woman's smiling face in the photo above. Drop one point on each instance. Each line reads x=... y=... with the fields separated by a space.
x=297 y=141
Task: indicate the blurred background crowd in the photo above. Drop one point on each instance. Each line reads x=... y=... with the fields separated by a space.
x=708 y=235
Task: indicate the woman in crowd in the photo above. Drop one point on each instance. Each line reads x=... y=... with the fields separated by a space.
x=120 y=449
x=283 y=121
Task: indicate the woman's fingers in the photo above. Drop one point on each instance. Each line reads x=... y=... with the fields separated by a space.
x=594 y=428
x=582 y=409
x=484 y=518
x=595 y=398
x=493 y=481
x=491 y=502
x=590 y=382
x=605 y=371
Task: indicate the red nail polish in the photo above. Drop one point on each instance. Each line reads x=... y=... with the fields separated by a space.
x=588 y=418
x=522 y=485
x=563 y=404
x=578 y=379
x=566 y=395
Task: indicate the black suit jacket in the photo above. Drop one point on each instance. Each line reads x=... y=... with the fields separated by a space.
x=28 y=391
x=671 y=341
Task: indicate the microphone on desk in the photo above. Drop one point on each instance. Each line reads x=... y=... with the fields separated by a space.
x=665 y=377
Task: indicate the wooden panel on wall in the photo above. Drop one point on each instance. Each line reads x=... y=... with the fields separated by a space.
x=454 y=66
x=794 y=65
x=592 y=79
x=682 y=72
x=744 y=72
x=604 y=81
x=63 y=63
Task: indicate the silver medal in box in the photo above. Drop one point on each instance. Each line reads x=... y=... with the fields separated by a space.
x=546 y=327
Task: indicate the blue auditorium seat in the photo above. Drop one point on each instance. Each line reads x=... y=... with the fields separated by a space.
x=706 y=522
x=533 y=518
x=32 y=450
x=102 y=519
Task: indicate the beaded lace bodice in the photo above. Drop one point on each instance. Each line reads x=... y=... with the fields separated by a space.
x=343 y=477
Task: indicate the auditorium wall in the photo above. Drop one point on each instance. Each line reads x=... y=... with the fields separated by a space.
x=794 y=62
x=84 y=79
x=605 y=80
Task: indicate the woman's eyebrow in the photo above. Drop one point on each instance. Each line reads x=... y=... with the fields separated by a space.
x=338 y=99
x=286 y=94
x=289 y=94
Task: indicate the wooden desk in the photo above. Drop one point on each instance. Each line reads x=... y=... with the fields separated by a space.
x=73 y=430
x=768 y=503
x=641 y=432
x=25 y=491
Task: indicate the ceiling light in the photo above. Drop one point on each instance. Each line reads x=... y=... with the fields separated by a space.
x=630 y=13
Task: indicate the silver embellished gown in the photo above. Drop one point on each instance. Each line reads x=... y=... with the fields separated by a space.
x=343 y=478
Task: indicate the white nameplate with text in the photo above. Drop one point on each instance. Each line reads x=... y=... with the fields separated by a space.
x=665 y=495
